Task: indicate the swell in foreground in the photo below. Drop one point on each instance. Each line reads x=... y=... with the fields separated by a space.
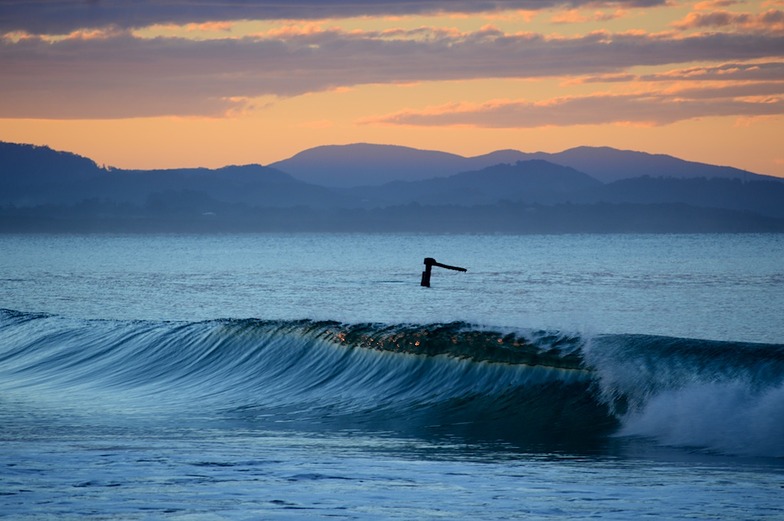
x=535 y=389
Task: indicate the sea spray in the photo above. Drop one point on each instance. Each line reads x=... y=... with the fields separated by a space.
x=726 y=397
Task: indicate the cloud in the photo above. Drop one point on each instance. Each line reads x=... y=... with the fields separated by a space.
x=713 y=4
x=768 y=92
x=64 y=16
x=771 y=20
x=121 y=75
x=645 y=108
x=757 y=71
x=574 y=16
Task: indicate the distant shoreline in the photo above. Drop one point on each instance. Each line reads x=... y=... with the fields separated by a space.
x=514 y=219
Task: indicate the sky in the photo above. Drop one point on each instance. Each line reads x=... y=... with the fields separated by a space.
x=184 y=83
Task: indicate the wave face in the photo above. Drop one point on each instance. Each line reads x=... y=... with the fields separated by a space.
x=534 y=388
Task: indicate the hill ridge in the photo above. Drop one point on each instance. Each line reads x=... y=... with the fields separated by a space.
x=45 y=190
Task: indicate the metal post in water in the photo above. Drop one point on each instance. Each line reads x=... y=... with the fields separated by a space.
x=429 y=263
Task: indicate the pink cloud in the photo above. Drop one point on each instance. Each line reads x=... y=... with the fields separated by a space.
x=645 y=108
x=125 y=76
x=714 y=4
x=756 y=71
x=64 y=16
x=771 y=20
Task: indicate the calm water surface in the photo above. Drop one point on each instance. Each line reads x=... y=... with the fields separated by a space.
x=724 y=287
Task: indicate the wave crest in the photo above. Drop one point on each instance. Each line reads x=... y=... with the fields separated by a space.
x=453 y=379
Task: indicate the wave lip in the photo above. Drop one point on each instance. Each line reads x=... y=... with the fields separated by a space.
x=459 y=340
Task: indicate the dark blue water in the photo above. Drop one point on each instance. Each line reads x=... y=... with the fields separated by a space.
x=276 y=377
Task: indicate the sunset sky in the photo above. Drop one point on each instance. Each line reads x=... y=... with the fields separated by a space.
x=179 y=83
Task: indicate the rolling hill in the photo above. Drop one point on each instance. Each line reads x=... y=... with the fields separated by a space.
x=502 y=192
x=374 y=165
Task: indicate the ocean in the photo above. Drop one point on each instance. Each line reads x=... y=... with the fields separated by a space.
x=264 y=376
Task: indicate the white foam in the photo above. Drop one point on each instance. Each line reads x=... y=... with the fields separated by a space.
x=727 y=417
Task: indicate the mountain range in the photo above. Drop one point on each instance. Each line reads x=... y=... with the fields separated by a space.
x=365 y=187
x=368 y=164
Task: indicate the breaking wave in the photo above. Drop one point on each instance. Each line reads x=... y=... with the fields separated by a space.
x=453 y=379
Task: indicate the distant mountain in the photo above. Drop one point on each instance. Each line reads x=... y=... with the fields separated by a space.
x=508 y=157
x=36 y=175
x=253 y=185
x=609 y=164
x=506 y=191
x=524 y=181
x=374 y=165
x=537 y=181
x=32 y=176
x=366 y=164
x=40 y=163
x=759 y=197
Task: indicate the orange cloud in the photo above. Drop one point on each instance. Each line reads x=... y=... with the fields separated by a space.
x=754 y=71
x=17 y=36
x=641 y=108
x=714 y=4
x=210 y=26
x=575 y=16
x=105 y=74
x=769 y=21
x=294 y=30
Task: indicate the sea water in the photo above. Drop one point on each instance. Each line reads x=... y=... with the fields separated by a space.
x=312 y=377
